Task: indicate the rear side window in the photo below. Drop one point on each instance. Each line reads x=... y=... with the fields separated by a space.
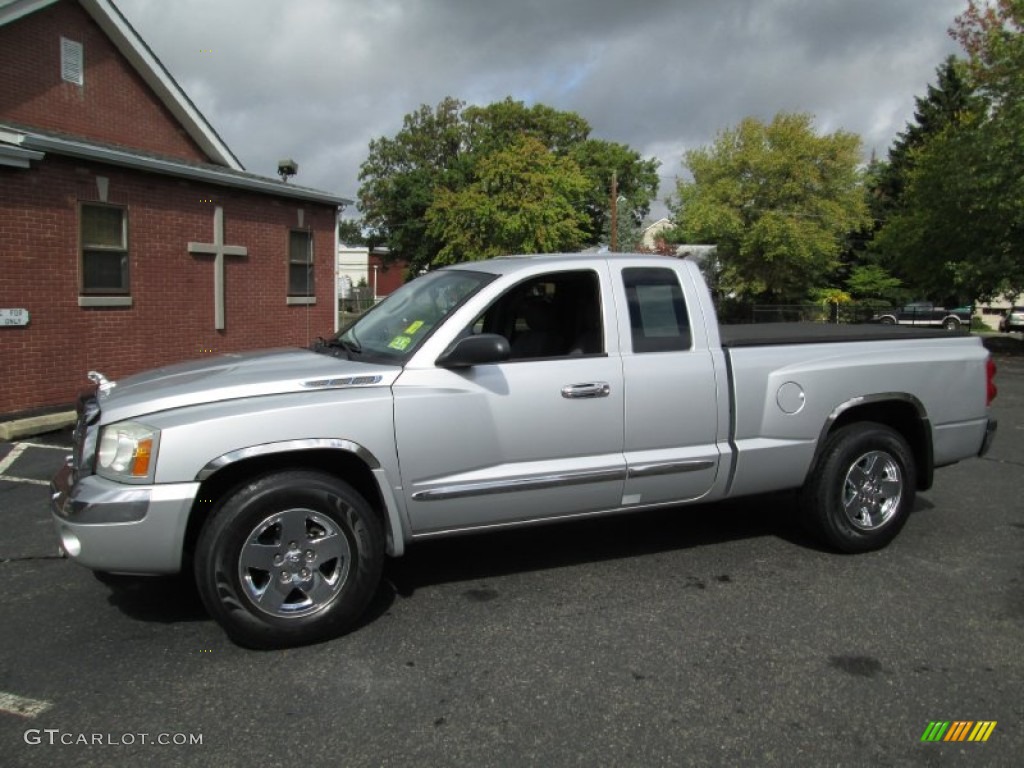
x=657 y=312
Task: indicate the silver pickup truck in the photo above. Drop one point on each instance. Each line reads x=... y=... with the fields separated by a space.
x=495 y=394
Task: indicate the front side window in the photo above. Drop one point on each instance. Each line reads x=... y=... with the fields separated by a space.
x=552 y=315
x=104 y=244
x=300 y=263
x=657 y=312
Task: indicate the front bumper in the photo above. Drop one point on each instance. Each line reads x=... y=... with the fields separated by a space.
x=109 y=526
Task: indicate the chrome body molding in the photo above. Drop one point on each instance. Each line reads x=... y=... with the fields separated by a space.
x=539 y=482
x=881 y=397
x=669 y=467
x=531 y=522
x=876 y=398
x=287 y=446
x=925 y=471
x=340 y=383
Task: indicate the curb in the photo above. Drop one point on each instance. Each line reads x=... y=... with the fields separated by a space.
x=36 y=425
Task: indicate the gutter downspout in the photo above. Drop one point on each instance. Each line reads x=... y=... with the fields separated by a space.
x=334 y=269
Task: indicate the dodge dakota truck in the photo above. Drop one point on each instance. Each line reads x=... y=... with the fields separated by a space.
x=493 y=394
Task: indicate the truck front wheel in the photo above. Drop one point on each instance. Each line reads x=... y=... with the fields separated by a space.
x=289 y=559
x=862 y=488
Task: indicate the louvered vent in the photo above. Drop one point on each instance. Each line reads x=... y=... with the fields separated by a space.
x=71 y=66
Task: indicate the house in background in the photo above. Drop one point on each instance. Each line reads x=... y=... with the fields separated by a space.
x=130 y=235
x=358 y=265
x=651 y=230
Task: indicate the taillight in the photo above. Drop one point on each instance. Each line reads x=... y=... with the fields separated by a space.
x=990 y=381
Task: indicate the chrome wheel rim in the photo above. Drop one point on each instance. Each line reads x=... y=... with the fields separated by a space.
x=872 y=490
x=294 y=563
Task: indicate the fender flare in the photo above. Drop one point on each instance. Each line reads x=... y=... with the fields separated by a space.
x=396 y=531
x=927 y=468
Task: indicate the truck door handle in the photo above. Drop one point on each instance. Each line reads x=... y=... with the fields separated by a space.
x=594 y=389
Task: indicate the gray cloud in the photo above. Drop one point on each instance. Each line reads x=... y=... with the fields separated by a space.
x=317 y=79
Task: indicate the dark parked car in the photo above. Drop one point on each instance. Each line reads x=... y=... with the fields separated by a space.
x=1013 y=320
x=927 y=314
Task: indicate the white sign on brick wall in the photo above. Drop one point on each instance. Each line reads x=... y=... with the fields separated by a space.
x=13 y=317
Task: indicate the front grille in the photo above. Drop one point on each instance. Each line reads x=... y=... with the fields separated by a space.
x=83 y=446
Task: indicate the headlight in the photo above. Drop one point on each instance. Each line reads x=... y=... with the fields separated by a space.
x=127 y=451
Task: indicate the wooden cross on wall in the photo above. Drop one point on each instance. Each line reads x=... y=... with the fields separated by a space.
x=218 y=250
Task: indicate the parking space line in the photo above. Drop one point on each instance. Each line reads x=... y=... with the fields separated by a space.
x=24 y=480
x=10 y=458
x=16 y=452
x=21 y=706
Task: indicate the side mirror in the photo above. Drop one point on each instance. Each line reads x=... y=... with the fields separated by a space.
x=475 y=350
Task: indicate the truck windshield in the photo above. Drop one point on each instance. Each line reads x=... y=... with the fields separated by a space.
x=392 y=330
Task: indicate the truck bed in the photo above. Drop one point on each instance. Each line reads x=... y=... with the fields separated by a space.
x=771 y=334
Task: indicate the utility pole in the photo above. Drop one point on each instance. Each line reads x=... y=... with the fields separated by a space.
x=614 y=245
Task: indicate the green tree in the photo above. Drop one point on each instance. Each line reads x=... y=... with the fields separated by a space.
x=945 y=104
x=636 y=184
x=441 y=150
x=906 y=190
x=525 y=199
x=870 y=281
x=494 y=127
x=992 y=35
x=350 y=232
x=778 y=200
x=400 y=175
x=932 y=238
x=958 y=230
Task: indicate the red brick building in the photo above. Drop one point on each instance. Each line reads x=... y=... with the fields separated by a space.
x=129 y=232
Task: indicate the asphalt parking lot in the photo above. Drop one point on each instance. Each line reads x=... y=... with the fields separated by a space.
x=715 y=635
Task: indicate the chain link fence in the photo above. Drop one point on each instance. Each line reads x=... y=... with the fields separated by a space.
x=733 y=312
x=351 y=306
x=812 y=313
x=738 y=312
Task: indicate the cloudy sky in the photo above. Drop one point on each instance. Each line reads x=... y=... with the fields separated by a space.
x=316 y=80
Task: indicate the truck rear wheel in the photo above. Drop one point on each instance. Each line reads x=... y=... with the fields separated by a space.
x=862 y=488
x=289 y=559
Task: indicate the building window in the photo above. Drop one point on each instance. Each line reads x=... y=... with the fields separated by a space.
x=72 y=64
x=104 y=241
x=300 y=263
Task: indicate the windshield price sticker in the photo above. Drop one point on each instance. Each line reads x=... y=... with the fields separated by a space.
x=401 y=343
x=13 y=317
x=414 y=327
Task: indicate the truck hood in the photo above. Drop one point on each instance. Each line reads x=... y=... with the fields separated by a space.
x=234 y=376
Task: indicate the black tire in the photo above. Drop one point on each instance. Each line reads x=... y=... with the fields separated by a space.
x=862 y=488
x=887 y=320
x=951 y=324
x=289 y=559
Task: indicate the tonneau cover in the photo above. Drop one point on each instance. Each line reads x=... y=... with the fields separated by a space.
x=769 y=334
